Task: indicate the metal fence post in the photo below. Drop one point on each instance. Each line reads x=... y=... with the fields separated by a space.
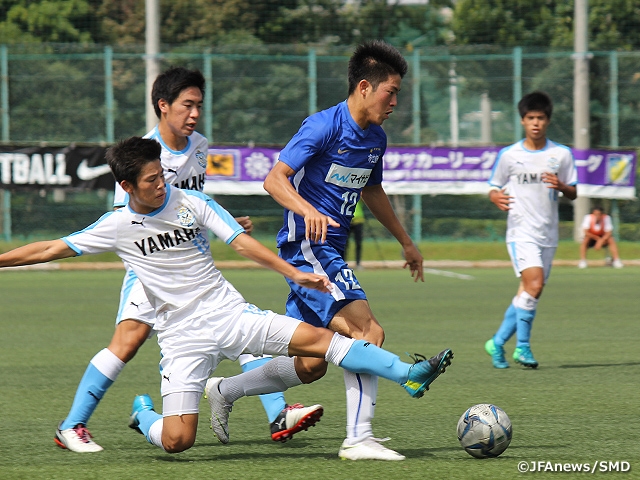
x=313 y=81
x=517 y=92
x=6 y=214
x=4 y=91
x=208 y=97
x=108 y=93
x=614 y=119
x=417 y=198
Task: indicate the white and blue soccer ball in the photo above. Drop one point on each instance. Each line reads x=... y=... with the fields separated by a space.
x=484 y=430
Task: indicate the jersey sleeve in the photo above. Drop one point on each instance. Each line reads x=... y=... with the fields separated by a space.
x=500 y=173
x=586 y=222
x=568 y=172
x=308 y=142
x=99 y=237
x=608 y=224
x=214 y=217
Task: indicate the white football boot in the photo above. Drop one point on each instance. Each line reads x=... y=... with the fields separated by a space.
x=76 y=439
x=220 y=409
x=369 y=449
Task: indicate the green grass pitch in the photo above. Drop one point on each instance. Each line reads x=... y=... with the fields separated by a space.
x=580 y=406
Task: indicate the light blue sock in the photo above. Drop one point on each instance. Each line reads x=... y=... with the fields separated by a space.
x=507 y=328
x=523 y=326
x=365 y=357
x=91 y=389
x=273 y=403
x=146 y=418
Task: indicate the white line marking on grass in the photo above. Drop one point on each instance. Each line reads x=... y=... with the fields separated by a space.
x=445 y=273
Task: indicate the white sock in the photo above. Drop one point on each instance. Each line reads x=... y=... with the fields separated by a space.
x=525 y=301
x=155 y=434
x=108 y=364
x=338 y=349
x=360 y=405
x=276 y=375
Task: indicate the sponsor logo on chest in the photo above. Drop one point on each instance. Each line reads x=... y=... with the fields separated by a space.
x=347 y=176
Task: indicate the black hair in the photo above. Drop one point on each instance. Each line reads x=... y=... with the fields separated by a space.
x=375 y=61
x=535 y=102
x=127 y=158
x=169 y=84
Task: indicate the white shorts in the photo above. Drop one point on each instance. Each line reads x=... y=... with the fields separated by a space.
x=192 y=349
x=527 y=254
x=134 y=304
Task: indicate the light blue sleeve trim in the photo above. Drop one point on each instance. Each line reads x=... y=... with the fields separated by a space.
x=495 y=165
x=72 y=246
x=93 y=225
x=235 y=235
x=225 y=216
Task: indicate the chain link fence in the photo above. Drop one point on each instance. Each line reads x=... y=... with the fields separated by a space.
x=76 y=94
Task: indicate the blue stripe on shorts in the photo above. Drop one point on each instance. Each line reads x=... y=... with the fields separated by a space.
x=311 y=306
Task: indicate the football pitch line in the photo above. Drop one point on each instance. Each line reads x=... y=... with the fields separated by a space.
x=445 y=273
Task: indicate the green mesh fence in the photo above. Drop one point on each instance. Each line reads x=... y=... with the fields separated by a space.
x=70 y=93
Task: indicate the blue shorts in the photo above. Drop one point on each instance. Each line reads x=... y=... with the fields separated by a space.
x=312 y=306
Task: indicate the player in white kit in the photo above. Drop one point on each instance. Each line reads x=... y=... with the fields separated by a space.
x=201 y=319
x=177 y=96
x=526 y=181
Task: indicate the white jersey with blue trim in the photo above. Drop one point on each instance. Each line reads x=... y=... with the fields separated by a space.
x=533 y=216
x=333 y=159
x=169 y=251
x=184 y=169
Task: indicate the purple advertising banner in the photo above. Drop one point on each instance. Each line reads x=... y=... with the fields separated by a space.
x=426 y=170
x=242 y=170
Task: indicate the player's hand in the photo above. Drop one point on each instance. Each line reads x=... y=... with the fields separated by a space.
x=316 y=226
x=246 y=223
x=413 y=260
x=501 y=199
x=314 y=281
x=552 y=180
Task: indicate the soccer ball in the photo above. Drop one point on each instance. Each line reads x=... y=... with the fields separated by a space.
x=484 y=430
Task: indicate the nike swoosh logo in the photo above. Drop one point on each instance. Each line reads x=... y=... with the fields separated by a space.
x=85 y=172
x=342 y=150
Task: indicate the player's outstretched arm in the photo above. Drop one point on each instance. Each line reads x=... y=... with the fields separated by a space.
x=378 y=202
x=278 y=186
x=250 y=248
x=37 y=252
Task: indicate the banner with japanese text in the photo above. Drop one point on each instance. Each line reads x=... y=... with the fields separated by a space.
x=242 y=170
x=426 y=170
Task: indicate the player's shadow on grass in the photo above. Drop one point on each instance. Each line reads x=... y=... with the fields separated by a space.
x=590 y=365
x=288 y=450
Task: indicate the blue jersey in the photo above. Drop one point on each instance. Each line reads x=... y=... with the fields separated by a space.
x=333 y=159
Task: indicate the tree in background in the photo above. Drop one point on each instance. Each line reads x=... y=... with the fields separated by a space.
x=59 y=21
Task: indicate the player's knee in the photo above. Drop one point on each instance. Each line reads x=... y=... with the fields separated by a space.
x=177 y=444
x=375 y=334
x=535 y=288
x=310 y=369
x=128 y=338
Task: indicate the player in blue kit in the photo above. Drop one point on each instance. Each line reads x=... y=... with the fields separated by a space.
x=177 y=97
x=201 y=319
x=526 y=181
x=334 y=158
